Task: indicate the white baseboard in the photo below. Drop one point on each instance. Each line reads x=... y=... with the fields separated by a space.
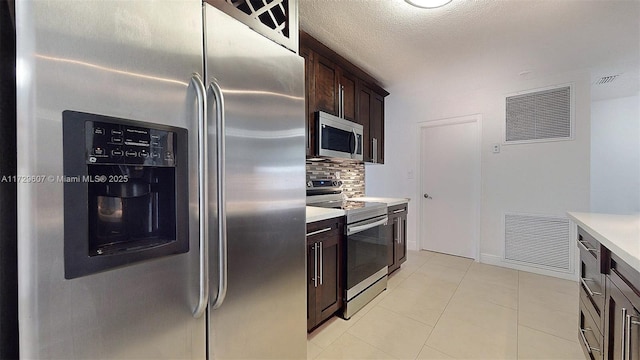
x=499 y=261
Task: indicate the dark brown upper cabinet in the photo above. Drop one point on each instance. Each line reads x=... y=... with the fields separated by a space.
x=336 y=86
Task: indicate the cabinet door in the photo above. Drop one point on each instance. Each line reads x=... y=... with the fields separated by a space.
x=401 y=243
x=348 y=87
x=391 y=231
x=325 y=242
x=622 y=333
x=376 y=130
x=330 y=299
x=364 y=117
x=312 y=266
x=326 y=85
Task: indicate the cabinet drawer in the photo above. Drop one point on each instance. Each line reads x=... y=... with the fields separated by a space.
x=323 y=229
x=592 y=306
x=591 y=284
x=626 y=278
x=589 y=335
x=397 y=209
x=588 y=244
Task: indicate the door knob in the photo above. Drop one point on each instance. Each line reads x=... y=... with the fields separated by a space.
x=427 y=196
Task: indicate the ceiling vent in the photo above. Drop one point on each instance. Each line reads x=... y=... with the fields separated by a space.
x=606 y=79
x=539 y=116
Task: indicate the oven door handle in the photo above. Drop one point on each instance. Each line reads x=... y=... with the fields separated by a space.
x=358 y=228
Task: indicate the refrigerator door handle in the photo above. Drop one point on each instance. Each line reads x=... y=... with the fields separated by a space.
x=221 y=187
x=203 y=296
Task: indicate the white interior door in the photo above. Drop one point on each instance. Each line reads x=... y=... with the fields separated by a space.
x=450 y=185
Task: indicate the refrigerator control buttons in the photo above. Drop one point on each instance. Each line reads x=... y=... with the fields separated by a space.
x=117 y=153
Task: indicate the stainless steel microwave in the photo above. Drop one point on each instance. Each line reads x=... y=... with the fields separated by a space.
x=338 y=138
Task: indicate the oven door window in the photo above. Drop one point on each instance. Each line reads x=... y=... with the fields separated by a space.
x=366 y=254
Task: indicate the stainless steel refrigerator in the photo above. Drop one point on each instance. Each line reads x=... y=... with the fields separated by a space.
x=164 y=212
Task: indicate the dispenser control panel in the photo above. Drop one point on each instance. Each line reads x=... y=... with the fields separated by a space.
x=127 y=200
x=112 y=143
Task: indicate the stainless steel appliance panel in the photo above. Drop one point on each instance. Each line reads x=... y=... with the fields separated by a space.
x=128 y=59
x=262 y=85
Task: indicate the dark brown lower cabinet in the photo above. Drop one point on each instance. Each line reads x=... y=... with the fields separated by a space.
x=325 y=278
x=622 y=318
x=609 y=324
x=622 y=325
x=397 y=236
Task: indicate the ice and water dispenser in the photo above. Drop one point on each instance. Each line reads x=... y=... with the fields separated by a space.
x=125 y=190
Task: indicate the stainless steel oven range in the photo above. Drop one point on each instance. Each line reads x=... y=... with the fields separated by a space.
x=366 y=250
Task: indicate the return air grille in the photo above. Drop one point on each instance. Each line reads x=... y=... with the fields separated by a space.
x=538 y=240
x=540 y=115
x=275 y=19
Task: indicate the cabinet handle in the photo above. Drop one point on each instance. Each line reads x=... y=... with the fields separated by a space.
x=590 y=349
x=586 y=248
x=341 y=101
x=318 y=231
x=396 y=223
x=315 y=265
x=626 y=333
x=623 y=349
x=374 y=147
x=399 y=211
x=589 y=291
x=321 y=261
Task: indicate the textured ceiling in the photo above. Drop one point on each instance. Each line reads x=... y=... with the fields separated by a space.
x=394 y=41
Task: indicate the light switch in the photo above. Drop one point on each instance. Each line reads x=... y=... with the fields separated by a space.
x=410 y=175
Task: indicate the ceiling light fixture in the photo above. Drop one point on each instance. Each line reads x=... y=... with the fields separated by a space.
x=428 y=4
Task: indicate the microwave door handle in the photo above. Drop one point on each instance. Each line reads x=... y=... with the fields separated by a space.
x=355 y=142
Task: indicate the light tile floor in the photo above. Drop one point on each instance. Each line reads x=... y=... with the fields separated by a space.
x=445 y=307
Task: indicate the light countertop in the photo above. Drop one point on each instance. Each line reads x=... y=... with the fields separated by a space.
x=388 y=201
x=317 y=213
x=618 y=233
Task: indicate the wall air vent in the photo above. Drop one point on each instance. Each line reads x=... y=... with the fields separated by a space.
x=539 y=116
x=275 y=19
x=605 y=79
x=540 y=241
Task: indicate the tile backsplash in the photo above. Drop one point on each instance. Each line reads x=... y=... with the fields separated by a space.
x=350 y=172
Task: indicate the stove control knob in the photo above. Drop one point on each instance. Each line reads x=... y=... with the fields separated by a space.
x=309 y=184
x=336 y=183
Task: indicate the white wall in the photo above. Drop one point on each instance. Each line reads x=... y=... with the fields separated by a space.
x=546 y=178
x=615 y=155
